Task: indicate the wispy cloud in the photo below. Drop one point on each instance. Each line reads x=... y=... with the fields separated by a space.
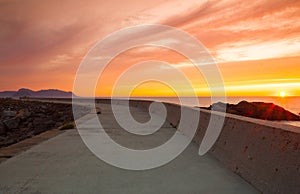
x=41 y=39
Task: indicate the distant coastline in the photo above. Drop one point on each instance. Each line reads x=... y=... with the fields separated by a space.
x=25 y=92
x=291 y=103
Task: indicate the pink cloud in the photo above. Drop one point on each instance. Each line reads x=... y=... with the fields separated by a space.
x=51 y=37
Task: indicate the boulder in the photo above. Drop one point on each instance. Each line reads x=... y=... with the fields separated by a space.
x=221 y=107
x=39 y=121
x=23 y=114
x=98 y=110
x=12 y=123
x=2 y=129
x=9 y=113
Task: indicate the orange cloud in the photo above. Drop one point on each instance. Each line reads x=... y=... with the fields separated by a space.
x=255 y=43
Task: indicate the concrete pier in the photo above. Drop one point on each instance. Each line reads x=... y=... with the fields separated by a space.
x=64 y=164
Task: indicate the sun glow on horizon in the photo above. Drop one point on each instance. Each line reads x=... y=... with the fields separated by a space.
x=282 y=94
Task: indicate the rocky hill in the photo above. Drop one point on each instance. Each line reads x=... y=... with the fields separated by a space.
x=259 y=110
x=24 y=92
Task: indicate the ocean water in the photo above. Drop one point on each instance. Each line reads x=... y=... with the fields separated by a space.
x=289 y=103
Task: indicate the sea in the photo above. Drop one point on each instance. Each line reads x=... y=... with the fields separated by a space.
x=291 y=103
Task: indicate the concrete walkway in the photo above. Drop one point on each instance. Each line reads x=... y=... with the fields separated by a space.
x=64 y=164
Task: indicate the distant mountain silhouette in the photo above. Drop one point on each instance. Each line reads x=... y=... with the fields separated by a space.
x=24 y=92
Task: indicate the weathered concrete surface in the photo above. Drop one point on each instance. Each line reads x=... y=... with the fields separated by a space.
x=63 y=164
x=17 y=148
x=264 y=153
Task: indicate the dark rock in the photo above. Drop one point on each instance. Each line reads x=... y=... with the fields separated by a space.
x=260 y=110
x=98 y=110
x=12 y=123
x=22 y=119
x=219 y=107
x=38 y=121
x=23 y=114
x=57 y=124
x=2 y=129
x=43 y=106
x=49 y=123
x=40 y=115
x=9 y=113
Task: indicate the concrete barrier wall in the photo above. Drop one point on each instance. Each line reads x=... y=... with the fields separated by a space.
x=265 y=154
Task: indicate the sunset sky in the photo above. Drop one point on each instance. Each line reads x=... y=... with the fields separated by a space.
x=255 y=44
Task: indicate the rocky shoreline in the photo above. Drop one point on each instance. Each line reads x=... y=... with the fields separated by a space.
x=258 y=110
x=21 y=119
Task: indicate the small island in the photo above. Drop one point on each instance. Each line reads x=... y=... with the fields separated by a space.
x=259 y=110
